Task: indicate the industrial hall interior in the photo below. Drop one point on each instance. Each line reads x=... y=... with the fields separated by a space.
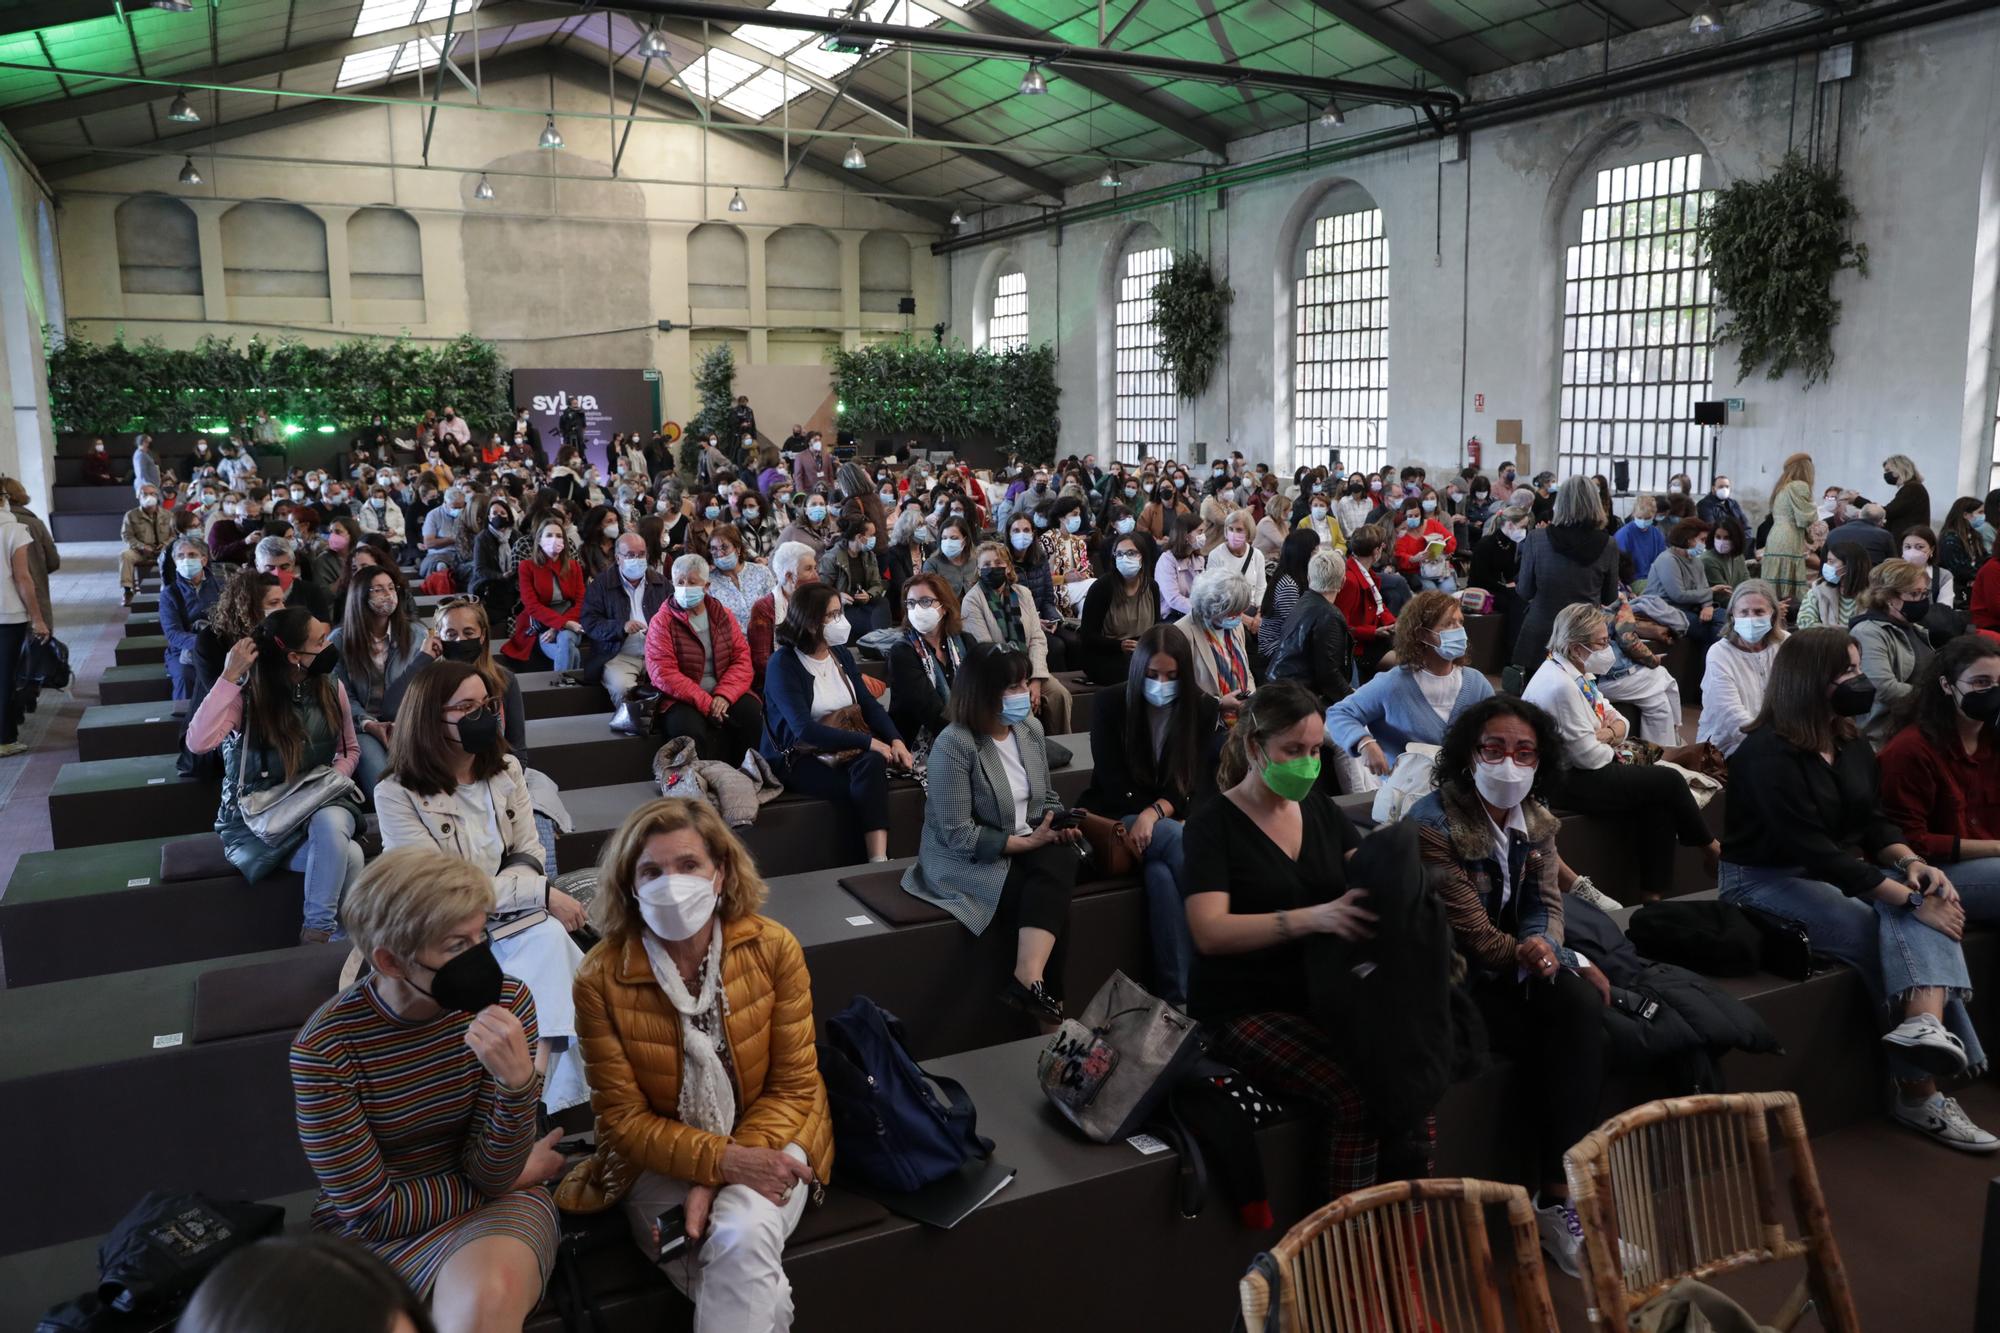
x=724 y=666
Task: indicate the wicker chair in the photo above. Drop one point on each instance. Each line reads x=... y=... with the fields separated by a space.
x=1686 y=1188
x=1410 y=1256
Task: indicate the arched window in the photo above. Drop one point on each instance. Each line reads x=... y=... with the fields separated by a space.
x=159 y=247
x=885 y=272
x=718 y=268
x=801 y=270
x=1146 y=416
x=1635 y=348
x=273 y=250
x=1007 y=328
x=1340 y=358
x=385 y=255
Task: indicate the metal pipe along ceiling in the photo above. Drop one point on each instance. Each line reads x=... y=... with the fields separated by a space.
x=1761 y=48
x=1052 y=53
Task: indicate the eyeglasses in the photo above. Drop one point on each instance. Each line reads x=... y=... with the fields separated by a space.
x=1526 y=754
x=460 y=711
x=923 y=603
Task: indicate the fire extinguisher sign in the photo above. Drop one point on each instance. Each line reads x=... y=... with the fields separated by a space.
x=1479 y=402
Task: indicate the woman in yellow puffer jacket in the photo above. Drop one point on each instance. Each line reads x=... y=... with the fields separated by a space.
x=695 y=1018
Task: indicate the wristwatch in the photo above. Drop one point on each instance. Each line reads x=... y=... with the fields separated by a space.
x=1915 y=900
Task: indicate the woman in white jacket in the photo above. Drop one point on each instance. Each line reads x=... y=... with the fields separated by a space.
x=1739 y=665
x=1651 y=804
x=453 y=786
x=380 y=515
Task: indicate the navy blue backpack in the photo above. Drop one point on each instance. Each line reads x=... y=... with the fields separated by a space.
x=891 y=1128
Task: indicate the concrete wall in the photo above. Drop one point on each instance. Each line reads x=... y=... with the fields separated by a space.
x=565 y=267
x=1476 y=253
x=30 y=296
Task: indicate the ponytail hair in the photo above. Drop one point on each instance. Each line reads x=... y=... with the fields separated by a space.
x=1275 y=707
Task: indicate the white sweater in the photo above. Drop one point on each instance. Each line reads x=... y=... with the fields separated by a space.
x=1732 y=692
x=1555 y=691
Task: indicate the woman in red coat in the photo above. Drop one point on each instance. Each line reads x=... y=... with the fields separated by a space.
x=698 y=657
x=1424 y=545
x=551 y=600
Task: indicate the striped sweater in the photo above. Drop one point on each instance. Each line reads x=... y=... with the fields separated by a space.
x=415 y=1144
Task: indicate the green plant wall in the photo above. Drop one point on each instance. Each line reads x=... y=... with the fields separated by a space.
x=715 y=386
x=119 y=386
x=951 y=392
x=1191 y=315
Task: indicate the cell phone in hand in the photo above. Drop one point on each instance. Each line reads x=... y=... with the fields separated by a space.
x=672 y=1226
x=1067 y=818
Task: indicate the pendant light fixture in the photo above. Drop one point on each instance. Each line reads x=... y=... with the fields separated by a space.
x=182 y=111
x=189 y=176
x=1333 y=117
x=856 y=160
x=483 y=190
x=736 y=204
x=1032 y=83
x=550 y=138
x=655 y=44
x=957 y=218
x=1110 y=180
x=1706 y=22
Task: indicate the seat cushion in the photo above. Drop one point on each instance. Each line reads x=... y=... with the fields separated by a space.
x=882 y=891
x=841 y=1213
x=199 y=857
x=277 y=996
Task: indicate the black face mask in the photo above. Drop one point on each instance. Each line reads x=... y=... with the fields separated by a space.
x=1888 y=478
x=1914 y=612
x=996 y=579
x=464 y=650
x=1852 y=698
x=326 y=660
x=479 y=732
x=468 y=983
x=1981 y=705
x=501 y=522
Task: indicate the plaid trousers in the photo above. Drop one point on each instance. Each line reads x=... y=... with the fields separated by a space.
x=1289 y=1055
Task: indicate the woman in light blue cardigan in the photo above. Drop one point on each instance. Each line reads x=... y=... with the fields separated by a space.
x=990 y=852
x=1414 y=702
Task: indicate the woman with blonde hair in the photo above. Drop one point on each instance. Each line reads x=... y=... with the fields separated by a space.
x=1910 y=506
x=1895 y=649
x=696 y=1020
x=1738 y=666
x=1792 y=513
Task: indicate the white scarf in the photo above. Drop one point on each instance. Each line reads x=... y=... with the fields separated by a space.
x=707 y=1101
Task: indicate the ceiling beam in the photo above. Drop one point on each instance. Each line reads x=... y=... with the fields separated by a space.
x=58 y=110
x=1396 y=41
x=1039 y=181
x=53 y=14
x=190 y=142
x=1118 y=89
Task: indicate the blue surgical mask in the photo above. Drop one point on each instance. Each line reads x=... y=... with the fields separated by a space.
x=725 y=563
x=1161 y=693
x=1021 y=541
x=886 y=497
x=951 y=546
x=1074 y=523
x=868 y=544
x=749 y=516
x=190 y=566
x=1319 y=511
x=633 y=567
x=1429 y=505
x=713 y=511
x=1016 y=708
x=1128 y=565
x=1229 y=624
x=1126 y=524
x=1752 y=629
x=1041 y=520
x=816 y=512
x=1451 y=644
x=689 y=598
x=1829 y=571
x=1977 y=520
x=1414 y=521
x=1642 y=523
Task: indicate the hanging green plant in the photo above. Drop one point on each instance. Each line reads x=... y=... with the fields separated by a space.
x=715 y=386
x=952 y=392
x=1774 y=246
x=1191 y=315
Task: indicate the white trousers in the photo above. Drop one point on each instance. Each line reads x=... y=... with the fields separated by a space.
x=1657 y=695
x=736 y=1274
x=621 y=673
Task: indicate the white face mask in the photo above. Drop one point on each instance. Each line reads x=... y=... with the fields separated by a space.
x=689 y=598
x=1599 y=662
x=1916 y=555
x=924 y=619
x=1505 y=784
x=674 y=907
x=633 y=567
x=836 y=631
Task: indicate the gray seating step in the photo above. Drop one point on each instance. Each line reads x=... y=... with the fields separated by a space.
x=85 y=527
x=146 y=682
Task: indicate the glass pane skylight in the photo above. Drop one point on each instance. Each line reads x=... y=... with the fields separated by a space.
x=391 y=61
x=716 y=73
x=739 y=86
x=382 y=15
x=764 y=93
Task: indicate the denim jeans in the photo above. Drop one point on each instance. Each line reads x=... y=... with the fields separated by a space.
x=329 y=858
x=1892 y=950
x=373 y=765
x=563 y=653
x=1446 y=584
x=546 y=828
x=1166 y=914
x=1978 y=884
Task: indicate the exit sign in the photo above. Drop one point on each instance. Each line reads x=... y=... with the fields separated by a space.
x=1735 y=404
x=1479 y=402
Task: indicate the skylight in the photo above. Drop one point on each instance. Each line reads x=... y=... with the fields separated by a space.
x=738 y=85
x=382 y=15
x=388 y=62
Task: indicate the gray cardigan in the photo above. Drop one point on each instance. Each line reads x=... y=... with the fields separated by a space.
x=968 y=817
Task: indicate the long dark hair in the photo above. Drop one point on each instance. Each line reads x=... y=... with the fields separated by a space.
x=987 y=675
x=1797 y=704
x=1179 y=760
x=1184 y=528
x=267 y=704
x=1296 y=554
x=420 y=749
x=1275 y=707
x=1455 y=758
x=804 y=627
x=357 y=654
x=1930 y=707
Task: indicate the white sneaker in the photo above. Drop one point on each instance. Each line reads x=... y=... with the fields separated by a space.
x=1562 y=1236
x=1590 y=893
x=1943 y=1119
x=1926 y=1043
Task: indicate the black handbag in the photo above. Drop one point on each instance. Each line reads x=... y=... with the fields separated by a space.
x=638 y=711
x=1787 y=949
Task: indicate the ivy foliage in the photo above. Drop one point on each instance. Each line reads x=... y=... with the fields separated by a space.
x=1774 y=246
x=1191 y=314
x=715 y=387
x=105 y=388
x=951 y=392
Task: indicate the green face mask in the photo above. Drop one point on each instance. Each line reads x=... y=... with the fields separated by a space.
x=1294 y=778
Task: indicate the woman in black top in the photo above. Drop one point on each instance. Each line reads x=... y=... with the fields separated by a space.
x=1282 y=593
x=1805 y=838
x=1121 y=605
x=1154 y=743
x=1265 y=868
x=924 y=663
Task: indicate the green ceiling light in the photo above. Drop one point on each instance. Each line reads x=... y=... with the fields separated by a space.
x=182 y=112
x=1032 y=83
x=189 y=176
x=291 y=428
x=484 y=190
x=326 y=430
x=1333 y=117
x=550 y=138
